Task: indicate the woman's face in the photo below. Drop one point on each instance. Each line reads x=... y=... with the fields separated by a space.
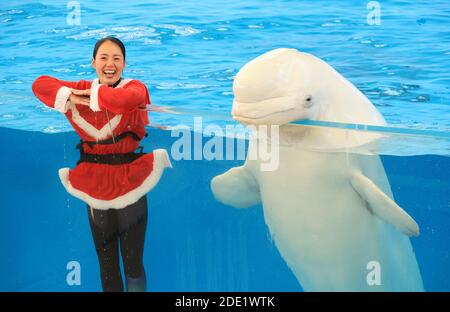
x=108 y=63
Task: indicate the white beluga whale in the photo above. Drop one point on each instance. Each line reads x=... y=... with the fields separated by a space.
x=328 y=205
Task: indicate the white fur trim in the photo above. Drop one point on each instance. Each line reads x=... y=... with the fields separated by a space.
x=160 y=162
x=62 y=103
x=95 y=83
x=93 y=104
x=101 y=134
x=123 y=83
x=95 y=86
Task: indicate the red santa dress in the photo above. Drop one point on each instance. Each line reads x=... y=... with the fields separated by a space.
x=112 y=125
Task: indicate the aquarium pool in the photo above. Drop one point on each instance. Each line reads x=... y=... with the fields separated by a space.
x=188 y=53
x=193 y=243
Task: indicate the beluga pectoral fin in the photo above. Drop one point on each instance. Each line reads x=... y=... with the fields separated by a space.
x=236 y=188
x=383 y=206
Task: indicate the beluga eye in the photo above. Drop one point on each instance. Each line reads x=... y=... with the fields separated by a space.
x=308 y=101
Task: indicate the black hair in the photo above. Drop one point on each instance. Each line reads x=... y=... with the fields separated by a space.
x=112 y=39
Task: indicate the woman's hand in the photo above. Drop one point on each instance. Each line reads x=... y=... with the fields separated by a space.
x=79 y=99
x=86 y=92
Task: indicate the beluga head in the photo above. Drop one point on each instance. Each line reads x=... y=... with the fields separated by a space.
x=285 y=85
x=274 y=88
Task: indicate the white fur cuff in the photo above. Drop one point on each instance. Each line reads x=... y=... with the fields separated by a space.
x=94 y=98
x=62 y=103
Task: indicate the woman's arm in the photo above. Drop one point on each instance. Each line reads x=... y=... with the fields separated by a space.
x=120 y=100
x=55 y=93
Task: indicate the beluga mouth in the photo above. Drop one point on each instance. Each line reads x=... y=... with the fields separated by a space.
x=265 y=111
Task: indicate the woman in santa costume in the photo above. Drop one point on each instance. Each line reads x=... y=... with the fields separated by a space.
x=109 y=114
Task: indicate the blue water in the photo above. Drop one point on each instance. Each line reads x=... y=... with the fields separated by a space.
x=193 y=243
x=188 y=52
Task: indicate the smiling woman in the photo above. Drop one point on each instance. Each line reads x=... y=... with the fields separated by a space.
x=110 y=61
x=109 y=115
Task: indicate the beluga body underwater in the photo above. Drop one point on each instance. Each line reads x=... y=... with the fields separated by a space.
x=328 y=206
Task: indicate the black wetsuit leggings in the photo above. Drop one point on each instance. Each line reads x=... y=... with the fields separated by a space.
x=125 y=228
